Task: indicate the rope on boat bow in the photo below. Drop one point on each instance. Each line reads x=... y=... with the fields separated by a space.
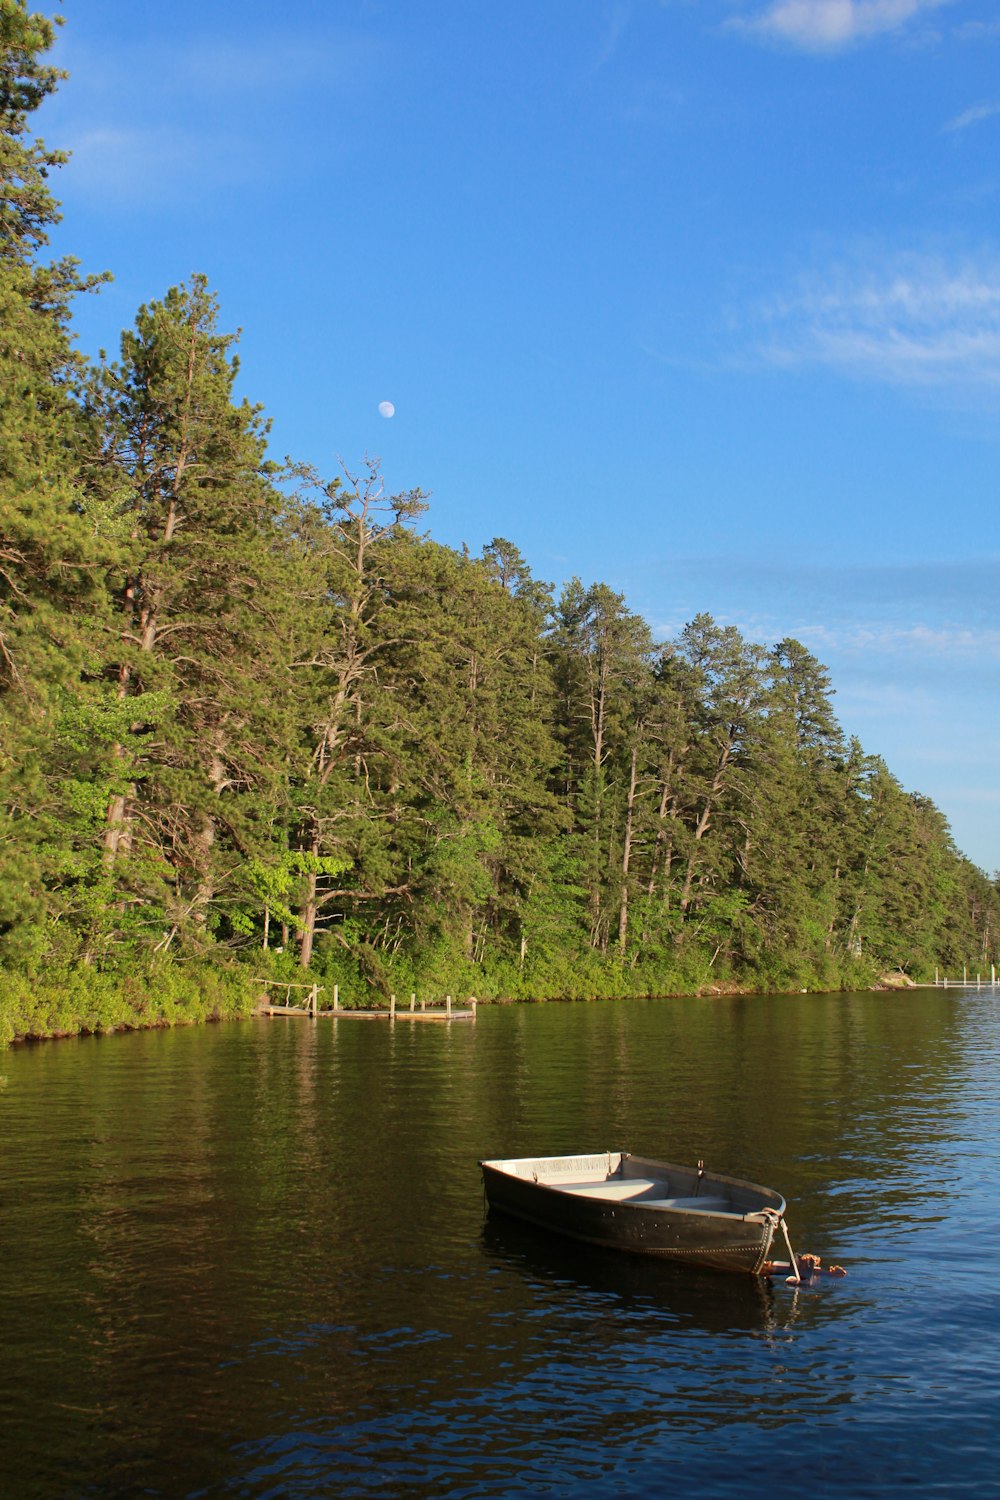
x=795 y=1278
x=778 y=1220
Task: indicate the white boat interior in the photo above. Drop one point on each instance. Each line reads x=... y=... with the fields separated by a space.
x=613 y=1177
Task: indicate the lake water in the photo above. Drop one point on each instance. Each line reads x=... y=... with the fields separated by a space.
x=251 y=1259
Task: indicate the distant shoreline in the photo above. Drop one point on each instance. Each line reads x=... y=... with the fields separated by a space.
x=887 y=983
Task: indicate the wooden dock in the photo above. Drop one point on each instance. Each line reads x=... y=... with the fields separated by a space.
x=392 y=1012
x=437 y=1013
x=967 y=982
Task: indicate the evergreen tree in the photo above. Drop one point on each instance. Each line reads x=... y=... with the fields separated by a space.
x=195 y=600
x=52 y=549
x=731 y=684
x=789 y=865
x=228 y=703
x=478 y=740
x=602 y=658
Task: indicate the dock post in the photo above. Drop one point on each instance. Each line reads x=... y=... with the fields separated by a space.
x=313 y=997
x=935 y=974
x=993 y=973
x=392 y=1007
x=965 y=974
x=423 y=1003
x=447 y=1004
x=336 y=997
x=413 y=1002
x=473 y=1002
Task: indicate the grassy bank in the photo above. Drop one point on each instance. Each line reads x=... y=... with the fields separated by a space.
x=81 y=1000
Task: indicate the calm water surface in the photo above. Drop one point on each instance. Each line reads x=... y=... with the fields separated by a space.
x=251 y=1260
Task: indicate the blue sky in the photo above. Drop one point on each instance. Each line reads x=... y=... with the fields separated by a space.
x=697 y=298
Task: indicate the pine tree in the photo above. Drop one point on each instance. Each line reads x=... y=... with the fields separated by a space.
x=731 y=684
x=196 y=598
x=790 y=862
x=52 y=541
x=346 y=758
x=485 y=707
x=601 y=659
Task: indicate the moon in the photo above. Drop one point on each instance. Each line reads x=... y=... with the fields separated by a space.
x=386 y=409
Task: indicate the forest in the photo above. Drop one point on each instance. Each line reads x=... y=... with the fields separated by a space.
x=255 y=722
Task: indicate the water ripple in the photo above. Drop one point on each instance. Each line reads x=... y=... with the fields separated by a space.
x=252 y=1260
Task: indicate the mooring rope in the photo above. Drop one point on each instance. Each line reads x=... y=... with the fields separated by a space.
x=776 y=1220
x=795 y=1278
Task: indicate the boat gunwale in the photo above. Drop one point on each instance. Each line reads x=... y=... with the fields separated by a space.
x=757 y=1215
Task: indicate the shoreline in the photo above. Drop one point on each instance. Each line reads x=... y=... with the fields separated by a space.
x=885 y=984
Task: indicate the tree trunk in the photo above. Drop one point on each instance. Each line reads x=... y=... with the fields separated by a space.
x=309 y=908
x=704 y=819
x=627 y=851
x=204 y=844
x=702 y=825
x=116 y=823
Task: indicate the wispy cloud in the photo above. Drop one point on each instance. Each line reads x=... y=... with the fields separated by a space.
x=260 y=66
x=872 y=639
x=931 y=612
x=977 y=31
x=831 y=25
x=148 y=120
x=137 y=164
x=904 y=320
x=618 y=22
x=974 y=116
x=913 y=650
x=948 y=641
x=650 y=101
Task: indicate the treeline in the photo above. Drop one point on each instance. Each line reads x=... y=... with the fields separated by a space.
x=256 y=719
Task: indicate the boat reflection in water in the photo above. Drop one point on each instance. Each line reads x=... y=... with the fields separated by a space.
x=627 y=1303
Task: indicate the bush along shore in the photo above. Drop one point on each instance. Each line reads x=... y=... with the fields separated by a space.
x=170 y=993
x=254 y=720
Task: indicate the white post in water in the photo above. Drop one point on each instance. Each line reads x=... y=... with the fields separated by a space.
x=336 y=996
x=935 y=974
x=413 y=1002
x=965 y=974
x=447 y=1004
x=473 y=1002
x=313 y=996
x=392 y=1006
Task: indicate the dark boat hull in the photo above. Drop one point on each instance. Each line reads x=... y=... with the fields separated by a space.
x=736 y=1238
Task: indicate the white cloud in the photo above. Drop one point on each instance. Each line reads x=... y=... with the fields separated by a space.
x=148 y=121
x=949 y=641
x=913 y=650
x=974 y=116
x=873 y=640
x=618 y=22
x=265 y=65
x=831 y=25
x=977 y=31
x=137 y=165
x=903 y=320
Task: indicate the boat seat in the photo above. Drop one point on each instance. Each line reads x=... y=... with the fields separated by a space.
x=705 y=1204
x=646 y=1192
x=620 y=1188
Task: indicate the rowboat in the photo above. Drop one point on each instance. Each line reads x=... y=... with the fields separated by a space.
x=626 y=1202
